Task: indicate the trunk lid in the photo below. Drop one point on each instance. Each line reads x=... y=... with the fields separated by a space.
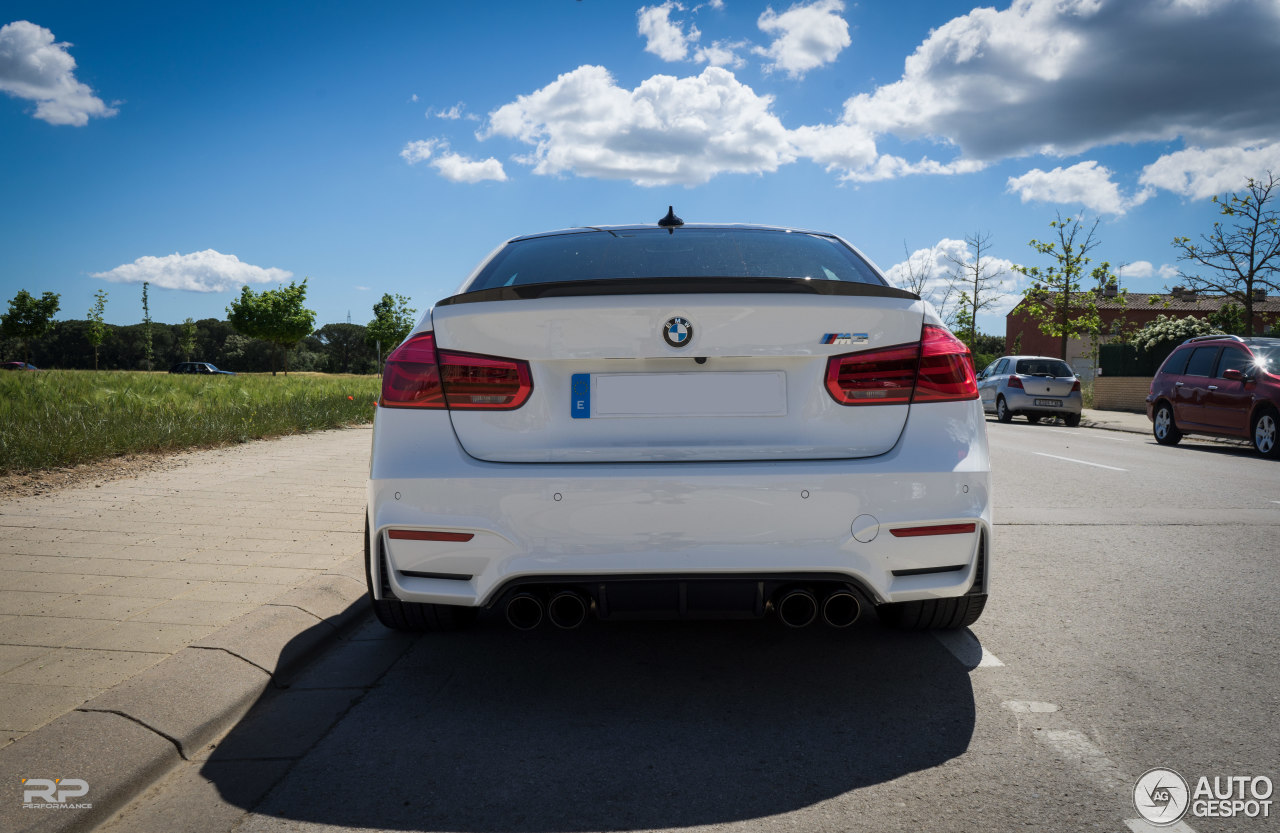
x=610 y=387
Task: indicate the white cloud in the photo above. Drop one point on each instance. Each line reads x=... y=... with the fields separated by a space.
x=419 y=151
x=452 y=166
x=1086 y=183
x=1200 y=174
x=1140 y=269
x=34 y=67
x=666 y=131
x=457 y=111
x=806 y=36
x=457 y=168
x=1137 y=269
x=721 y=54
x=939 y=261
x=664 y=37
x=1064 y=76
x=207 y=271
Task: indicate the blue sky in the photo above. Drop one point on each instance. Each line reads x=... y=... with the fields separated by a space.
x=389 y=147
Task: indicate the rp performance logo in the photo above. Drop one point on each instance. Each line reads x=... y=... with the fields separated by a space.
x=53 y=794
x=1161 y=796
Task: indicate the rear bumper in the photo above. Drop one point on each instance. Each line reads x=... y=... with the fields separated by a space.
x=1024 y=403
x=507 y=524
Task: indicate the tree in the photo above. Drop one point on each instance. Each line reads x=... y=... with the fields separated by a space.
x=977 y=282
x=392 y=321
x=918 y=274
x=187 y=342
x=1244 y=256
x=97 y=328
x=29 y=318
x=344 y=348
x=147 y=352
x=1229 y=318
x=1058 y=299
x=275 y=315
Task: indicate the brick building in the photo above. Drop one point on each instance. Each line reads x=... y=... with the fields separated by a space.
x=1132 y=311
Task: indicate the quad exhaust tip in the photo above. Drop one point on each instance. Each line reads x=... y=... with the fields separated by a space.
x=841 y=609
x=797 y=608
x=567 y=610
x=524 y=611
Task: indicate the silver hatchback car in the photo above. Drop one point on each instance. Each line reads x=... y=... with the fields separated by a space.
x=1032 y=386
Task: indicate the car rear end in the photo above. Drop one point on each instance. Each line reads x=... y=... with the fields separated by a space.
x=1040 y=386
x=703 y=422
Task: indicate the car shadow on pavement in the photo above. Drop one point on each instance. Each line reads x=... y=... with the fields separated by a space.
x=615 y=726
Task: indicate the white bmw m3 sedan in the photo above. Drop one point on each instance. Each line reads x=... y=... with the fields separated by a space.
x=679 y=421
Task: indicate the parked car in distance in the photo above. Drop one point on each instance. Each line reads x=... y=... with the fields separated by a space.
x=1036 y=387
x=18 y=366
x=679 y=421
x=1224 y=386
x=199 y=368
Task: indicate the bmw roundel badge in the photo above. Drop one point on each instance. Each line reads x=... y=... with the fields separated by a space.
x=678 y=332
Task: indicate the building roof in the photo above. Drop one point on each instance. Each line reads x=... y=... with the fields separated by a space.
x=1170 y=303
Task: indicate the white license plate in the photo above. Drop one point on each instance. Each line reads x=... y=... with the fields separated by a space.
x=689 y=394
x=1049 y=403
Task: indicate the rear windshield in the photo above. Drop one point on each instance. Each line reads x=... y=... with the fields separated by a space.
x=1042 y=367
x=688 y=253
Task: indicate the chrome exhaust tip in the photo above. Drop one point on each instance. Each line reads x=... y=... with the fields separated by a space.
x=841 y=609
x=797 y=608
x=524 y=611
x=567 y=610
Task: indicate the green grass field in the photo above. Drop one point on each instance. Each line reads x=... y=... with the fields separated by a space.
x=63 y=417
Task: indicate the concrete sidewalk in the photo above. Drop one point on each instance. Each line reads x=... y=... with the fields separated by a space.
x=1115 y=421
x=144 y=615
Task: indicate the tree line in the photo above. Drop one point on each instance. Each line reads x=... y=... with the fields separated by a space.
x=1238 y=260
x=264 y=331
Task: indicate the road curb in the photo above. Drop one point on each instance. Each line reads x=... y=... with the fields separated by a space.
x=132 y=735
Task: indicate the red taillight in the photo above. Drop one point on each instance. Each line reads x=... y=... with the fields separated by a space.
x=1016 y=382
x=411 y=378
x=938 y=368
x=876 y=377
x=1075 y=386
x=418 y=375
x=946 y=368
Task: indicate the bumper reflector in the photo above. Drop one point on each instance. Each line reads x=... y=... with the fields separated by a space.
x=423 y=535
x=937 y=529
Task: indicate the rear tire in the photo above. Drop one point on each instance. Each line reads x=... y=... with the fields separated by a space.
x=933 y=614
x=1071 y=420
x=1163 y=427
x=1002 y=410
x=1266 y=434
x=413 y=617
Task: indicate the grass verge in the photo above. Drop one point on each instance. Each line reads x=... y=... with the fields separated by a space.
x=59 y=418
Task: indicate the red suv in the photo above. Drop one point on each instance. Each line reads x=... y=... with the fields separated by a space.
x=1226 y=386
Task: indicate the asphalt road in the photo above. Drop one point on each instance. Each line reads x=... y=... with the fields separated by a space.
x=1133 y=625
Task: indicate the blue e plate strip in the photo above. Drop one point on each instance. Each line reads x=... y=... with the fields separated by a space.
x=580 y=401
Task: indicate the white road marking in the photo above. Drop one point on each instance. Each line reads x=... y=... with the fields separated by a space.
x=1074 y=460
x=1074 y=747
x=966 y=648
